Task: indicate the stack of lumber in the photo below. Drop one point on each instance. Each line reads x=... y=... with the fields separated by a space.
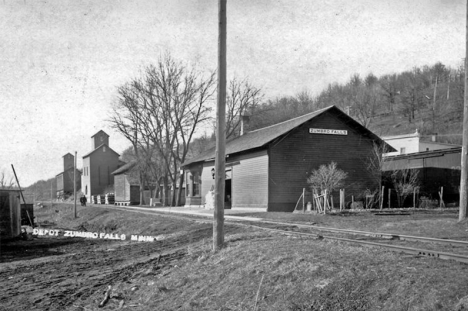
x=110 y=198
x=101 y=199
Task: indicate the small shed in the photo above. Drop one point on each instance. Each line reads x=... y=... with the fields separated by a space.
x=435 y=169
x=10 y=212
x=126 y=186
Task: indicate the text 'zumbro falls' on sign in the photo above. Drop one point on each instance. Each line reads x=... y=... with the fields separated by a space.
x=328 y=131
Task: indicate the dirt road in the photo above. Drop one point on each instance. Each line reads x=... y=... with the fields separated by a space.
x=179 y=271
x=62 y=273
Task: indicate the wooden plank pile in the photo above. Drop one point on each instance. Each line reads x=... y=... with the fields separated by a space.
x=101 y=199
x=321 y=202
x=110 y=198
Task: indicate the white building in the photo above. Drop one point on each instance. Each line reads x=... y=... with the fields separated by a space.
x=411 y=143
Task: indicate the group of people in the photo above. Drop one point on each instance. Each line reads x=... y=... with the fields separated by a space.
x=83 y=200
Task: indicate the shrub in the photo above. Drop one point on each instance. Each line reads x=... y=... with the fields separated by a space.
x=327 y=177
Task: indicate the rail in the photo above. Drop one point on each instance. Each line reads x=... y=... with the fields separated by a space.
x=402 y=249
x=374 y=234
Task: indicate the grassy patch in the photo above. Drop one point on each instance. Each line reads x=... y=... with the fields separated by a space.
x=258 y=270
x=300 y=274
x=423 y=224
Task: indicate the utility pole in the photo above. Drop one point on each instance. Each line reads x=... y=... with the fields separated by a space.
x=464 y=158
x=74 y=185
x=51 y=192
x=434 y=106
x=220 y=158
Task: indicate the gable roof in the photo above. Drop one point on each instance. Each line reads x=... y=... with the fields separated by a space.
x=67 y=154
x=100 y=132
x=99 y=147
x=125 y=168
x=262 y=137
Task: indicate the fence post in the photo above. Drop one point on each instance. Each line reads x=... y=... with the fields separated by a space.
x=382 y=197
x=341 y=199
x=303 y=199
x=325 y=202
x=314 y=205
x=389 y=198
x=344 y=199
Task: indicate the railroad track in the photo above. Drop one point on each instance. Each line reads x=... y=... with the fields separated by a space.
x=395 y=242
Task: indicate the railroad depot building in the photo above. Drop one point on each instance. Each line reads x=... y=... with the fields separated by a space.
x=98 y=166
x=268 y=168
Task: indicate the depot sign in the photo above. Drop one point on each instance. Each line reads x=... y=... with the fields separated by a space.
x=96 y=235
x=328 y=131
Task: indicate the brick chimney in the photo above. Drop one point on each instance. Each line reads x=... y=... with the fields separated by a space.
x=245 y=120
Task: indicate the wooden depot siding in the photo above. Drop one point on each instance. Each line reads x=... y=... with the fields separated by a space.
x=293 y=158
x=193 y=201
x=188 y=198
x=250 y=173
x=124 y=191
x=121 y=188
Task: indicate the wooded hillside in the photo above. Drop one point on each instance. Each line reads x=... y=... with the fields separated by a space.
x=41 y=190
x=429 y=99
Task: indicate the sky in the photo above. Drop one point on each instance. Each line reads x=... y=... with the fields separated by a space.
x=62 y=61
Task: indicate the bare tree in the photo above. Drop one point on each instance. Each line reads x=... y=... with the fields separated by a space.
x=241 y=97
x=6 y=182
x=375 y=163
x=412 y=96
x=370 y=80
x=405 y=181
x=125 y=118
x=169 y=103
x=390 y=91
x=363 y=101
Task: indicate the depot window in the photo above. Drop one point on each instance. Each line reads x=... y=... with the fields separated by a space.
x=192 y=184
x=196 y=184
